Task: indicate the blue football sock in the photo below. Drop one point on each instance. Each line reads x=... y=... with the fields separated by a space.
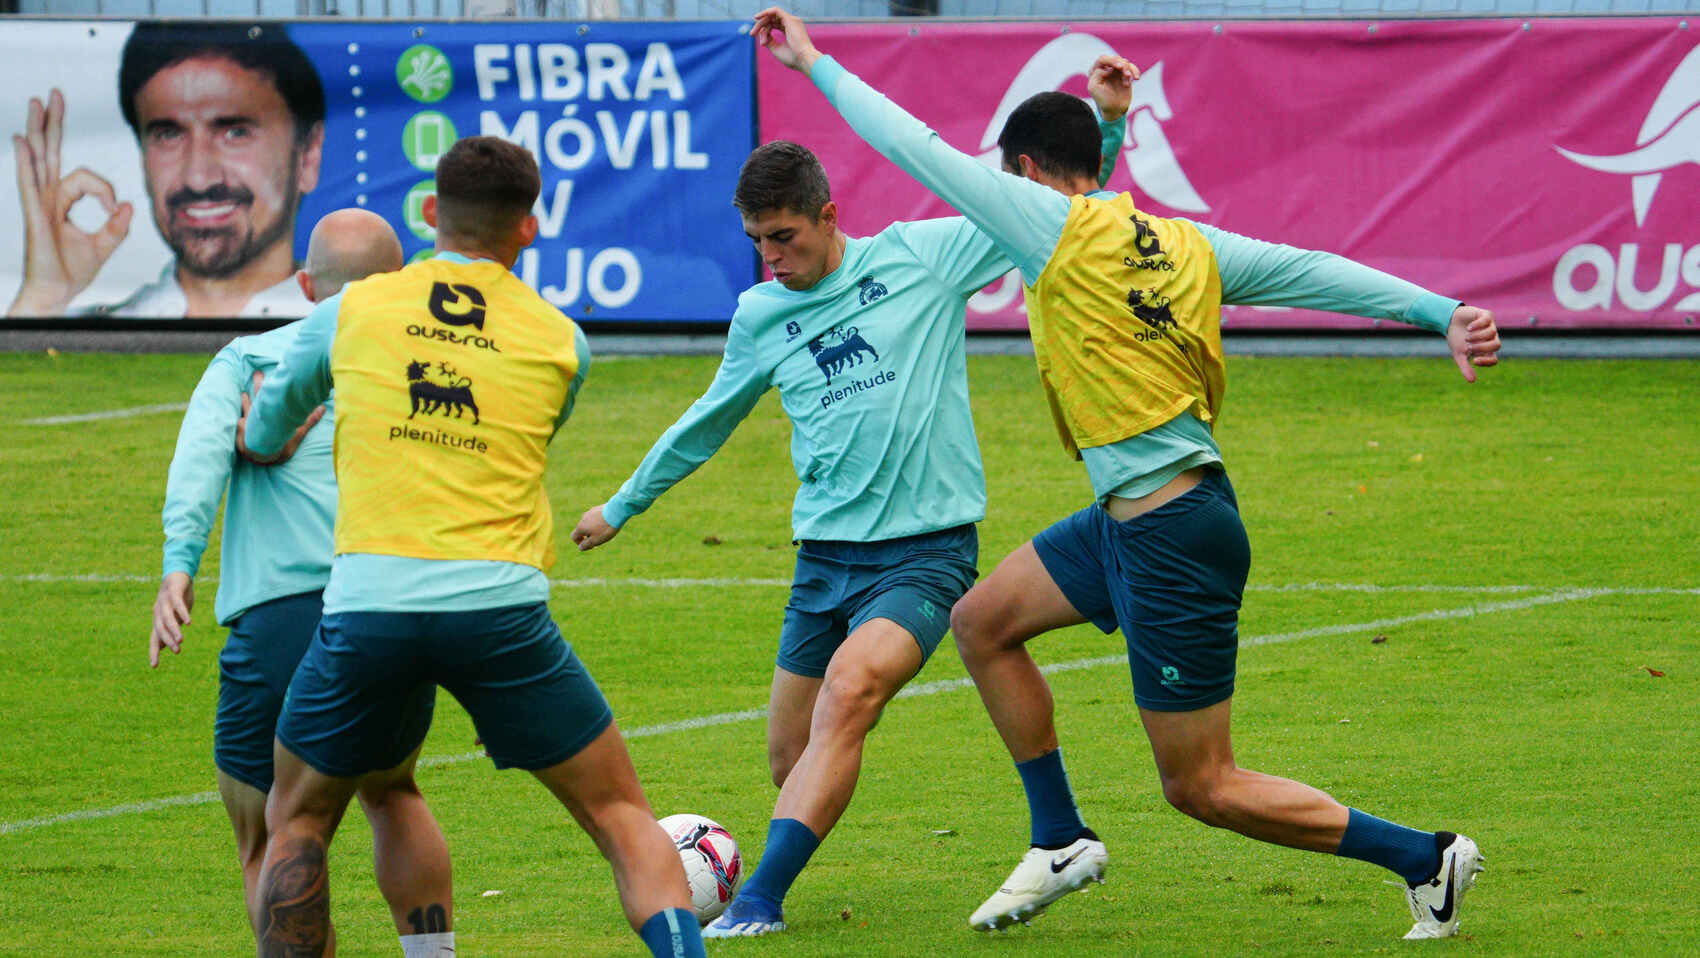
x=1050 y=801
x=1408 y=852
x=673 y=933
x=790 y=843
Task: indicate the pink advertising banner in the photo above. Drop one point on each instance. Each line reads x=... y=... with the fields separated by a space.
x=1547 y=169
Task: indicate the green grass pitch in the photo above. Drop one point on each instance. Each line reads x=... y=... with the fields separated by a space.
x=1460 y=597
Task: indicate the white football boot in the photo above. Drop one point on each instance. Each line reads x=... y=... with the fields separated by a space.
x=1434 y=903
x=1044 y=875
x=747 y=917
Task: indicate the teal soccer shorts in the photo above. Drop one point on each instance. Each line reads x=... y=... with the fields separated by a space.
x=265 y=645
x=1171 y=580
x=912 y=581
x=362 y=699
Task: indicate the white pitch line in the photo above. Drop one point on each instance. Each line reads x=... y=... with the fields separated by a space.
x=665 y=583
x=676 y=583
x=722 y=582
x=135 y=808
x=924 y=688
x=107 y=414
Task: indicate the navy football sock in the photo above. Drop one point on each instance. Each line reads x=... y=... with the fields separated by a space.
x=790 y=843
x=1050 y=801
x=673 y=933
x=1410 y=853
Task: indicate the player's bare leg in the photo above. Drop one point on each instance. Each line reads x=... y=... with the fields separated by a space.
x=294 y=896
x=790 y=710
x=600 y=788
x=871 y=665
x=1195 y=761
x=409 y=854
x=992 y=625
x=874 y=662
x=246 y=806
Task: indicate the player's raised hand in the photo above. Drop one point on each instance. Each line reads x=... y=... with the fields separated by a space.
x=593 y=530
x=289 y=447
x=1110 y=81
x=60 y=259
x=170 y=614
x=1473 y=339
x=785 y=37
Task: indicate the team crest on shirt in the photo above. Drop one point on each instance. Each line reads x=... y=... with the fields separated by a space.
x=869 y=289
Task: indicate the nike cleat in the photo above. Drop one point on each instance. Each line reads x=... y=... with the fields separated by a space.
x=1044 y=875
x=1434 y=903
x=746 y=918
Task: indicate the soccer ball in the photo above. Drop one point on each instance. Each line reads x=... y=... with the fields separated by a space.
x=712 y=863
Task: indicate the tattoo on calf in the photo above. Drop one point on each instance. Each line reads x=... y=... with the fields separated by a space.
x=295 y=894
x=431 y=919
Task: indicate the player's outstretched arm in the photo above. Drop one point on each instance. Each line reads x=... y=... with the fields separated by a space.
x=593 y=530
x=1473 y=339
x=170 y=614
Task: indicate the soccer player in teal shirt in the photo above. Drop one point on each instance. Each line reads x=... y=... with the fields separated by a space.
x=864 y=339
x=274 y=561
x=1161 y=552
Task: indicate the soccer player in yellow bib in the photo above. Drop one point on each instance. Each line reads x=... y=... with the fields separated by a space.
x=1125 y=314
x=451 y=378
x=274 y=560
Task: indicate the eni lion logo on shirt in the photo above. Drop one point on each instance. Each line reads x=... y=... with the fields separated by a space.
x=840 y=348
x=448 y=391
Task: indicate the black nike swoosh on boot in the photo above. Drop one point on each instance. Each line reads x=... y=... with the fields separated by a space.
x=1443 y=914
x=1057 y=867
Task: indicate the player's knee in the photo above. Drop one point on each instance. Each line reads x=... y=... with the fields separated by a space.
x=973 y=625
x=380 y=795
x=1197 y=798
x=851 y=698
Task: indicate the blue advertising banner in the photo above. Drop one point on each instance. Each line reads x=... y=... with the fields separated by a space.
x=191 y=193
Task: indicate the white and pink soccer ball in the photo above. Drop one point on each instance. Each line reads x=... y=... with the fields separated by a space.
x=712 y=863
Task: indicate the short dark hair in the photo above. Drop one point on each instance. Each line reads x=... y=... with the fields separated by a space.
x=1057 y=130
x=782 y=176
x=485 y=187
x=265 y=48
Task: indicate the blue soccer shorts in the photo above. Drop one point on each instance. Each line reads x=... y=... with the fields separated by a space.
x=1171 y=579
x=265 y=645
x=362 y=699
x=912 y=581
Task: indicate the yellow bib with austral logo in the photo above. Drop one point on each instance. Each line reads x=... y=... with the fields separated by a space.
x=1126 y=322
x=450 y=378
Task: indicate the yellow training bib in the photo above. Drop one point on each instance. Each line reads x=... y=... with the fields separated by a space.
x=450 y=378
x=1126 y=322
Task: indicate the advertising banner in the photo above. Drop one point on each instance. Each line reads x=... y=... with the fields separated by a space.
x=175 y=170
x=1546 y=169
